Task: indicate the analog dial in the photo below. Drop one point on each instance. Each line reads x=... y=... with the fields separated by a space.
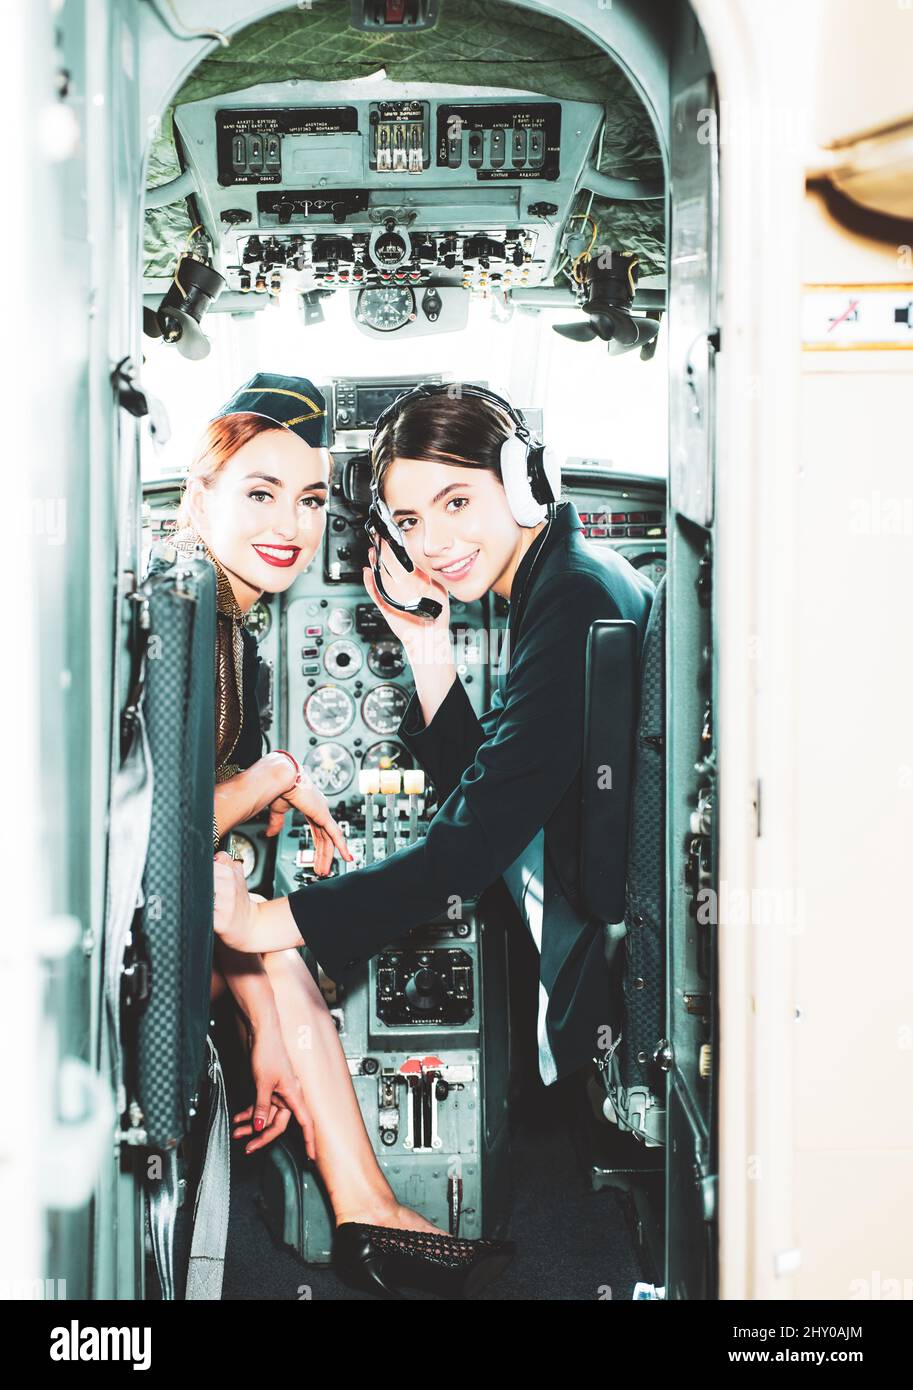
x=386 y=754
x=383 y=708
x=386 y=658
x=387 y=308
x=340 y=621
x=331 y=767
x=329 y=711
x=343 y=658
x=258 y=620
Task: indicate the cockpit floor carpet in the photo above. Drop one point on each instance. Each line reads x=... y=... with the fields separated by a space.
x=573 y=1243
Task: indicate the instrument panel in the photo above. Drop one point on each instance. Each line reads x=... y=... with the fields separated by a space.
x=416 y=185
x=349 y=683
x=627 y=513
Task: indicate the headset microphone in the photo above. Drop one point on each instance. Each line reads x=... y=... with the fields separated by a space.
x=381 y=526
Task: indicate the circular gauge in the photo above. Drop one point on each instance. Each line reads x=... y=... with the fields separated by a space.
x=340 y=621
x=331 y=767
x=258 y=620
x=244 y=850
x=388 y=248
x=383 y=707
x=389 y=753
x=329 y=710
x=387 y=308
x=652 y=563
x=343 y=658
x=386 y=658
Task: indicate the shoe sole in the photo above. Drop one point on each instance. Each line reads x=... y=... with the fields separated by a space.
x=374 y=1279
x=379 y=1275
x=370 y=1277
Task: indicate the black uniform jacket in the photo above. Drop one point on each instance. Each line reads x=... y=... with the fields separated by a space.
x=499 y=781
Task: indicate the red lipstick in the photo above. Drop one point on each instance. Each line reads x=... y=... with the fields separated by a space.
x=281 y=555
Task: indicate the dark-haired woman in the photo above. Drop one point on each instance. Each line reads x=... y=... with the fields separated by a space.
x=509 y=784
x=255 y=499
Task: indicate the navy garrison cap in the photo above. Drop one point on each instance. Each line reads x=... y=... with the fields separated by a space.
x=292 y=401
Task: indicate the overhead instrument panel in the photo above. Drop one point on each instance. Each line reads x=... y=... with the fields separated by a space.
x=249 y=142
x=507 y=141
x=415 y=188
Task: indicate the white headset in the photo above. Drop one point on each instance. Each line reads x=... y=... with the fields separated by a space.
x=530 y=470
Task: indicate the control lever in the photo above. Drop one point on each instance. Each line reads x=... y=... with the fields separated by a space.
x=414 y=786
x=389 y=782
x=368 y=786
x=422 y=1077
x=390 y=785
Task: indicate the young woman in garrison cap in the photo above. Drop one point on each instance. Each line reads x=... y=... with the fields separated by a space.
x=256 y=497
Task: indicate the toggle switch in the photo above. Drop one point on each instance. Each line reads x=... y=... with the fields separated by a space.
x=536 y=149
x=518 y=148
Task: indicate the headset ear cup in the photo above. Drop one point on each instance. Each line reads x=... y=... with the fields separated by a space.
x=551 y=471
x=523 y=505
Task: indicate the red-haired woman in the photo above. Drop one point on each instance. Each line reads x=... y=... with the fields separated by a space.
x=256 y=497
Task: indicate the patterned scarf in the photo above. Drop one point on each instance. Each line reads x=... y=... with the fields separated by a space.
x=229 y=657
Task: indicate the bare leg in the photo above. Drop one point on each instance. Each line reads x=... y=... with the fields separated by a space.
x=356 y=1185
x=217 y=988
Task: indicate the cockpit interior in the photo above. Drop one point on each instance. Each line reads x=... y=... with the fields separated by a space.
x=376 y=196
x=336 y=184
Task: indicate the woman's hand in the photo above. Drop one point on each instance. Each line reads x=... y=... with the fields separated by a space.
x=279 y=1094
x=234 y=911
x=312 y=804
x=424 y=639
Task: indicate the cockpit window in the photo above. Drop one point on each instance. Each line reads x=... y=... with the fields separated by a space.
x=596 y=409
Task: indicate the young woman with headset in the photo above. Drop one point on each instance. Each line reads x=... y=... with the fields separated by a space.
x=466 y=501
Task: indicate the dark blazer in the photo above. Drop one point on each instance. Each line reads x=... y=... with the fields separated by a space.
x=499 y=781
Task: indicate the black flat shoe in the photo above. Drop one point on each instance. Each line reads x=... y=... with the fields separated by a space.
x=381 y=1258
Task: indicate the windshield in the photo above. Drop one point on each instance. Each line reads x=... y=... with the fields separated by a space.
x=609 y=411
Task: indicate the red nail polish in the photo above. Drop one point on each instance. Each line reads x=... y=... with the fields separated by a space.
x=259 y=1122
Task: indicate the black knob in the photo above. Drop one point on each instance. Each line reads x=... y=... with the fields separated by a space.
x=369 y=1066
x=424 y=990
